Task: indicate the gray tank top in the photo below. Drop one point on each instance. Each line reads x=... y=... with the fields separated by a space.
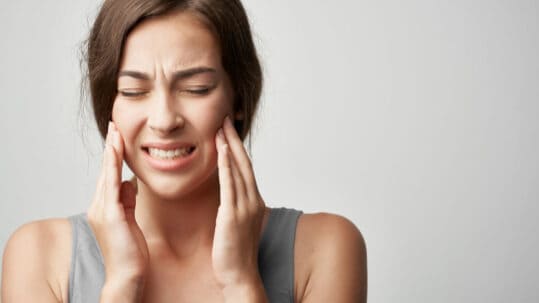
x=275 y=258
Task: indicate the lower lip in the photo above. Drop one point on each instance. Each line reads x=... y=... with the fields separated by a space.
x=170 y=164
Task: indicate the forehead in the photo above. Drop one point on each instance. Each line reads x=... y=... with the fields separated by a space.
x=173 y=41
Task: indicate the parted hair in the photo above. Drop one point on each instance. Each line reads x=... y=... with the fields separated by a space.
x=225 y=18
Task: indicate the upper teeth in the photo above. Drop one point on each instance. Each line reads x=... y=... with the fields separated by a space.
x=155 y=152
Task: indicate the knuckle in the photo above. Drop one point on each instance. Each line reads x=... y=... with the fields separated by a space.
x=109 y=218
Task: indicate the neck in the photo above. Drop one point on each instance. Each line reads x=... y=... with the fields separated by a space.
x=183 y=226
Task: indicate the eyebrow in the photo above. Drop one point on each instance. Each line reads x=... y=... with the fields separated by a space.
x=178 y=75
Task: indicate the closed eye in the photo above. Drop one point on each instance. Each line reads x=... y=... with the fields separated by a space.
x=200 y=91
x=132 y=93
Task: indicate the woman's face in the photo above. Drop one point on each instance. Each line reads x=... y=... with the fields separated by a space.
x=172 y=93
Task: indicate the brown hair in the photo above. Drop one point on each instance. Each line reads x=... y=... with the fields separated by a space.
x=226 y=18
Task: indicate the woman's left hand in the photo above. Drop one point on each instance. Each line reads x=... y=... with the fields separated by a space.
x=240 y=214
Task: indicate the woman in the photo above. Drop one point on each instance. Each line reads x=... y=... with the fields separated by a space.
x=175 y=87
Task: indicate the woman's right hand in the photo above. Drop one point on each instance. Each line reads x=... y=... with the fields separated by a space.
x=112 y=218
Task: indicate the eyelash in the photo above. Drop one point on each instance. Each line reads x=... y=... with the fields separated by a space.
x=200 y=92
x=128 y=94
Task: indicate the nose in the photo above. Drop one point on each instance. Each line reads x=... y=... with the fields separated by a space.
x=163 y=117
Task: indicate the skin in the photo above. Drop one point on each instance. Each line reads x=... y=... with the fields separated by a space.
x=190 y=235
x=197 y=212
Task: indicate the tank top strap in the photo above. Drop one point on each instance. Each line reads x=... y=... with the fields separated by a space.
x=87 y=273
x=276 y=254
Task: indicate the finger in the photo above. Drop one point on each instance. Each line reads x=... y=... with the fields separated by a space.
x=241 y=195
x=118 y=144
x=117 y=160
x=103 y=173
x=128 y=199
x=242 y=159
x=112 y=186
x=133 y=181
x=102 y=179
x=239 y=184
x=227 y=188
x=113 y=180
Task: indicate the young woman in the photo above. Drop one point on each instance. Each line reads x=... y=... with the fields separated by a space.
x=175 y=87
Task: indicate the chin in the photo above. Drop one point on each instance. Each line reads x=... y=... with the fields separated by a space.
x=169 y=188
x=175 y=187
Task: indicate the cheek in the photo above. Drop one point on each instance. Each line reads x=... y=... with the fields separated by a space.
x=118 y=112
x=213 y=113
x=127 y=117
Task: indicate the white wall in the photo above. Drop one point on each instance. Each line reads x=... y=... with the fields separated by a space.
x=415 y=119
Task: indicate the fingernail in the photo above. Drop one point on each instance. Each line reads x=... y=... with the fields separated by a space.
x=114 y=135
x=227 y=119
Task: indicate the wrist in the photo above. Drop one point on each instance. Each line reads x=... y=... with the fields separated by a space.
x=124 y=290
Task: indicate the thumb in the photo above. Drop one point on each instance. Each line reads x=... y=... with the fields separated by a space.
x=128 y=194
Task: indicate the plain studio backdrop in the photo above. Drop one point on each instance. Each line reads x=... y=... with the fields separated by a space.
x=417 y=120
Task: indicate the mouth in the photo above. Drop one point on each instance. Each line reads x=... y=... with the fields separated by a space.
x=169 y=153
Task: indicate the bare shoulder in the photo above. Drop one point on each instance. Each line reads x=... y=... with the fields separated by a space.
x=331 y=260
x=37 y=257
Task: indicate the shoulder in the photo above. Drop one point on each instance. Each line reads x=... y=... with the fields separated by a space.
x=323 y=227
x=36 y=255
x=330 y=234
x=336 y=259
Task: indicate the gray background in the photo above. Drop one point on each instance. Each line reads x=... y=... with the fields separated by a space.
x=415 y=119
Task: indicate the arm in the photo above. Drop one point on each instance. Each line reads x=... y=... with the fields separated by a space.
x=125 y=290
x=28 y=273
x=25 y=272
x=339 y=266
